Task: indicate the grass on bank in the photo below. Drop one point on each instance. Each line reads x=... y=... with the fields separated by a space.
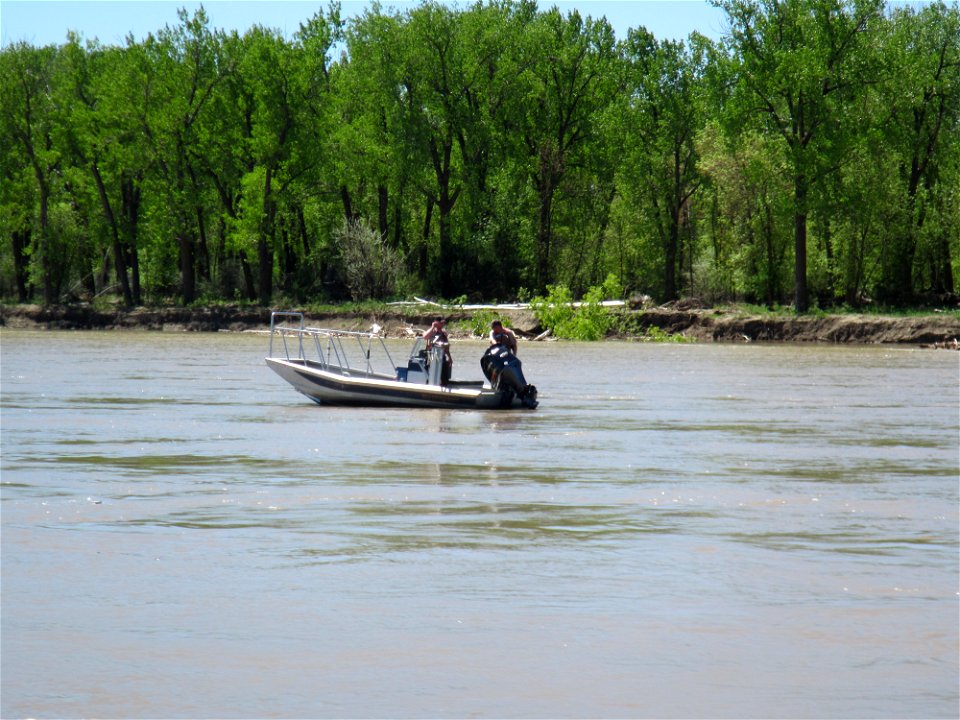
x=787 y=311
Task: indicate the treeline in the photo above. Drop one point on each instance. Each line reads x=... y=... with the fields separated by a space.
x=493 y=151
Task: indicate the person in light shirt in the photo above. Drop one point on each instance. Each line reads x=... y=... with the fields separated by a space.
x=436 y=335
x=500 y=335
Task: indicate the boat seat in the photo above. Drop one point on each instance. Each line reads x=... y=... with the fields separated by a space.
x=414 y=365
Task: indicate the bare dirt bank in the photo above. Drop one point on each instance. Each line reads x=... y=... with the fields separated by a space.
x=720 y=326
x=704 y=325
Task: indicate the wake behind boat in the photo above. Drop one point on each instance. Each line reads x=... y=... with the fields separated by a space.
x=339 y=367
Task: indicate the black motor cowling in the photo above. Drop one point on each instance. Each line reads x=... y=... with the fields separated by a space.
x=504 y=371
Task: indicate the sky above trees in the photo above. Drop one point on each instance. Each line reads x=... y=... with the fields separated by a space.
x=47 y=23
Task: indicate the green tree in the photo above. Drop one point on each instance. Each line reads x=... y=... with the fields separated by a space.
x=749 y=182
x=797 y=63
x=289 y=88
x=372 y=167
x=29 y=119
x=568 y=90
x=96 y=134
x=180 y=70
x=434 y=96
x=495 y=57
x=663 y=115
x=269 y=68
x=226 y=163
x=922 y=90
x=367 y=137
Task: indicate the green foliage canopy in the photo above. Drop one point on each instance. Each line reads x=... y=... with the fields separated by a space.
x=491 y=151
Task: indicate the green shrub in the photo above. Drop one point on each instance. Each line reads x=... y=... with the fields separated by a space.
x=478 y=323
x=589 y=320
x=659 y=335
x=555 y=311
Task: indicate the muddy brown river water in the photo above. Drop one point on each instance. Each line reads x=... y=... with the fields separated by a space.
x=678 y=531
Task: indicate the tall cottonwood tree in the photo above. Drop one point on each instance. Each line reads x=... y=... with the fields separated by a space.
x=381 y=167
x=573 y=82
x=181 y=69
x=228 y=158
x=269 y=69
x=922 y=91
x=288 y=83
x=663 y=113
x=370 y=164
x=16 y=210
x=435 y=96
x=29 y=117
x=95 y=134
x=796 y=64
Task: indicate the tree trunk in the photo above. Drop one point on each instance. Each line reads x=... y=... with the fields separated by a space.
x=445 y=201
x=674 y=260
x=424 y=255
x=264 y=254
x=383 y=207
x=670 y=259
x=131 y=214
x=445 y=206
x=302 y=228
x=548 y=175
x=188 y=279
x=544 y=237
x=119 y=259
x=203 y=252
x=249 y=286
x=801 y=296
x=21 y=241
x=942 y=266
x=44 y=243
x=347 y=205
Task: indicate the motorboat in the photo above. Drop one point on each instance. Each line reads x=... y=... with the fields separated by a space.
x=341 y=367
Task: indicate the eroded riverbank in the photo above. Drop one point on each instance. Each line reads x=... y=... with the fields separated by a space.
x=703 y=325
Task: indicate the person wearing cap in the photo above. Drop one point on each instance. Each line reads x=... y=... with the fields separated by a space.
x=436 y=334
x=500 y=335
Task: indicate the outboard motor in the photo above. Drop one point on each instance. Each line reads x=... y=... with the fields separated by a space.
x=503 y=369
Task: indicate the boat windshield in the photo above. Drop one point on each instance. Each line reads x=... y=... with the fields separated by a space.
x=419 y=348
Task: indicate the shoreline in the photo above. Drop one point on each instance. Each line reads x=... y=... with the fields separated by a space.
x=701 y=325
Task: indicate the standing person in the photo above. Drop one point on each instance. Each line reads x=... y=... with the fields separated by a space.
x=500 y=335
x=437 y=336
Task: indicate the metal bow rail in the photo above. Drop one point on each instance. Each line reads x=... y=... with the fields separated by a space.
x=328 y=344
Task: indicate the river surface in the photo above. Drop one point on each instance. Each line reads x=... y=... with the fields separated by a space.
x=678 y=531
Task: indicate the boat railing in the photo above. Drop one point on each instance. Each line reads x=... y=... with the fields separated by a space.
x=328 y=345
